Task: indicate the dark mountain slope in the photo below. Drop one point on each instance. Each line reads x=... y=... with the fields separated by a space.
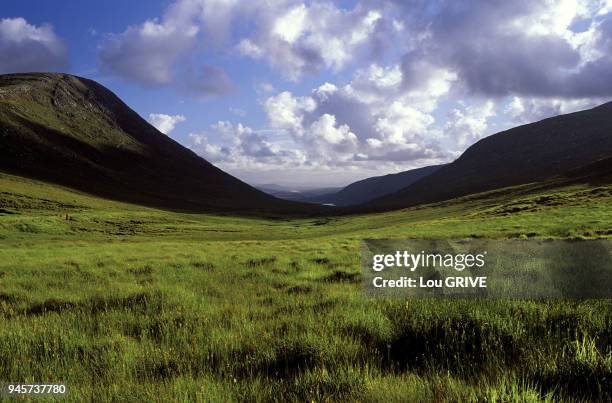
x=74 y=132
x=530 y=153
x=596 y=172
x=371 y=188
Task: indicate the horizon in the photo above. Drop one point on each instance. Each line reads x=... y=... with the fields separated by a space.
x=319 y=94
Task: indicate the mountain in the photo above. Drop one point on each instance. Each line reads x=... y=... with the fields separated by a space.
x=371 y=188
x=530 y=153
x=306 y=195
x=74 y=132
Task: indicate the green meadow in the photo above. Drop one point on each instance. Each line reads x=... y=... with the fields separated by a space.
x=126 y=303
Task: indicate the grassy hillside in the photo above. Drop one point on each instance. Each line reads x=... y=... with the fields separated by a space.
x=127 y=303
x=74 y=132
x=530 y=153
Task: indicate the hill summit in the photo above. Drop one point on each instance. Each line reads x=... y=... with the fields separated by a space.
x=74 y=132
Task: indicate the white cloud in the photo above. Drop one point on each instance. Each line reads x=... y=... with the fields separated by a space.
x=246 y=141
x=303 y=38
x=497 y=48
x=329 y=140
x=286 y=164
x=372 y=118
x=157 y=52
x=548 y=58
x=147 y=53
x=552 y=18
x=468 y=124
x=326 y=129
x=295 y=38
x=407 y=84
x=26 y=48
x=165 y=123
x=400 y=122
x=239 y=148
x=291 y=25
x=287 y=112
x=248 y=48
x=199 y=143
x=525 y=110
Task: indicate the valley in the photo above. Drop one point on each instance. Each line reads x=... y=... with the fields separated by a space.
x=133 y=269
x=121 y=300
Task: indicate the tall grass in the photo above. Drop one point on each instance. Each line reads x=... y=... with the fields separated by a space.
x=126 y=304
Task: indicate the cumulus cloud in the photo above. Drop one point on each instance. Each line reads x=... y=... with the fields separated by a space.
x=410 y=82
x=146 y=53
x=293 y=37
x=157 y=52
x=372 y=118
x=25 y=47
x=548 y=56
x=525 y=110
x=239 y=147
x=305 y=38
x=467 y=124
x=254 y=156
x=200 y=144
x=249 y=142
x=286 y=112
x=165 y=123
x=526 y=48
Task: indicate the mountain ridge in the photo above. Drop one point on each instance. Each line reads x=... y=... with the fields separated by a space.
x=69 y=130
x=75 y=132
x=528 y=153
x=367 y=189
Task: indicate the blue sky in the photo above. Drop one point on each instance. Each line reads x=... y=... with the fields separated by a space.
x=321 y=93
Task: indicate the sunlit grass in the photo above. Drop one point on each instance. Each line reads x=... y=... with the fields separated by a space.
x=125 y=303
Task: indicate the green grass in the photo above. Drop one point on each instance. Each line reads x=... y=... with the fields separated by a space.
x=126 y=303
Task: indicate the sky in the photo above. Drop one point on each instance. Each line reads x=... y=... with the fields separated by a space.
x=322 y=93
